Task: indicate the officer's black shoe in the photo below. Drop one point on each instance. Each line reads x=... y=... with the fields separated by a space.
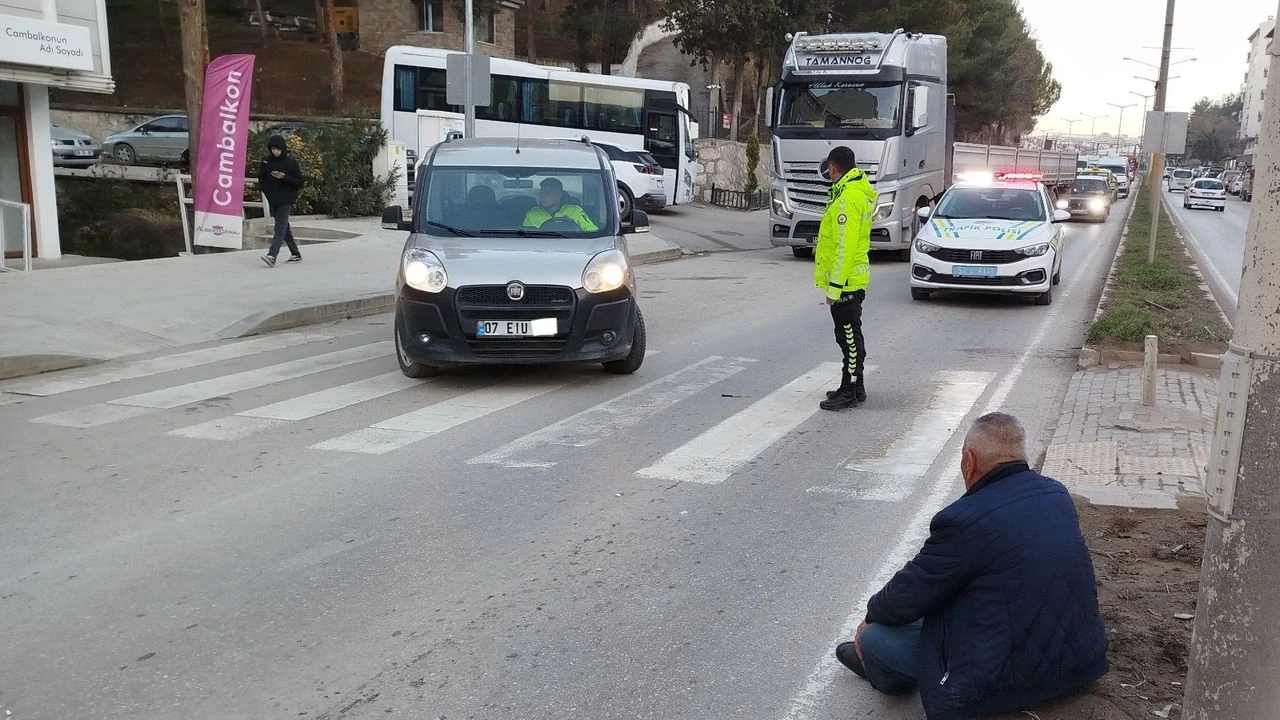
x=860 y=390
x=843 y=400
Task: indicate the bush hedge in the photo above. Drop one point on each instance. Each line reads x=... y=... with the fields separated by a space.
x=118 y=218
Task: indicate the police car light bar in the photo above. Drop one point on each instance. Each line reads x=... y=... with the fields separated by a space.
x=975 y=176
x=1019 y=175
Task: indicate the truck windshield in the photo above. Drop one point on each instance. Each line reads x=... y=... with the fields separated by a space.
x=841 y=105
x=529 y=202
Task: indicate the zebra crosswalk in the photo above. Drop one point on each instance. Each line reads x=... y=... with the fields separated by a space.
x=717 y=446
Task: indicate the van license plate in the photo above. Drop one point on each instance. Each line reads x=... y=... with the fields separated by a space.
x=973 y=271
x=543 y=327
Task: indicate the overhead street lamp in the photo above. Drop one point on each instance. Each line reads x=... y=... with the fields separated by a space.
x=1071 y=125
x=1142 y=134
x=1120 y=129
x=1093 y=123
x=1157 y=67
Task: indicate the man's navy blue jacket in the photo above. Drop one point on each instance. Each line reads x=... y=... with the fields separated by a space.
x=1007 y=592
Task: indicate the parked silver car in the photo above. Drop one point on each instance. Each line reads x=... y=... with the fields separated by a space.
x=161 y=140
x=72 y=148
x=516 y=255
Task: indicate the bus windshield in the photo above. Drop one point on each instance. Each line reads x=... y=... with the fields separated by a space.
x=843 y=105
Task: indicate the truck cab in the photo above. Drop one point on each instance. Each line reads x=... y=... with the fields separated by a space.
x=884 y=96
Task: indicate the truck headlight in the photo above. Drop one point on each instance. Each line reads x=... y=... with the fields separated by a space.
x=1033 y=250
x=606 y=271
x=778 y=199
x=884 y=205
x=926 y=247
x=424 y=271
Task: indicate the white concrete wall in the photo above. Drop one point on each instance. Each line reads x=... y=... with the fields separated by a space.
x=44 y=211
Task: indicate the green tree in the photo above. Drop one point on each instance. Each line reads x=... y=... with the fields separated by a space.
x=1214 y=128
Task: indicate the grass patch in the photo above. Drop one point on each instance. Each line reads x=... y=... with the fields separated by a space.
x=1162 y=299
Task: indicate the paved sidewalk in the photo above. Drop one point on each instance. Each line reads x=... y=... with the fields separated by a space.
x=69 y=316
x=1113 y=450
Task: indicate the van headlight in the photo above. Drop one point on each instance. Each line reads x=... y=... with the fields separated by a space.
x=884 y=205
x=778 y=199
x=1033 y=250
x=423 y=271
x=606 y=271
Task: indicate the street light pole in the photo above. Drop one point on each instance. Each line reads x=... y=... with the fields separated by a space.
x=1236 y=639
x=1120 y=130
x=1071 y=127
x=1157 y=155
x=469 y=106
x=1142 y=134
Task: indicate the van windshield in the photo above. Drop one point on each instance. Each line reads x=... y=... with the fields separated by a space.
x=532 y=202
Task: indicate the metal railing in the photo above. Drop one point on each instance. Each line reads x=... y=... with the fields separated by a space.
x=25 y=209
x=740 y=200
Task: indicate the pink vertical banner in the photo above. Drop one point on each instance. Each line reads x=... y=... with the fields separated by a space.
x=221 y=152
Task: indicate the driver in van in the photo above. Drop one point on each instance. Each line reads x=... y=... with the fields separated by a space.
x=551 y=206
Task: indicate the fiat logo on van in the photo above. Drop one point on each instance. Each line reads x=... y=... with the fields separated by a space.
x=515 y=291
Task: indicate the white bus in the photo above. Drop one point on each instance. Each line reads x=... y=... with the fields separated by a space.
x=547 y=102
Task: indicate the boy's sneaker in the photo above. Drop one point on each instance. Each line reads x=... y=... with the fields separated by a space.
x=269 y=260
x=294 y=258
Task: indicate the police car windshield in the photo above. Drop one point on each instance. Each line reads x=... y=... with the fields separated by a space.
x=486 y=201
x=992 y=203
x=834 y=104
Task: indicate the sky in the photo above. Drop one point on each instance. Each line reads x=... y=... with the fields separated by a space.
x=1087 y=41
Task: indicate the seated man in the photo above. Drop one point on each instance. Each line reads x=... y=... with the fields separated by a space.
x=551 y=204
x=998 y=611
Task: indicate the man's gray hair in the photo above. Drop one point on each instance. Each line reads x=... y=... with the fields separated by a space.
x=997 y=437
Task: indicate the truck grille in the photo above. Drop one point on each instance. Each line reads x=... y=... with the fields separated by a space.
x=805 y=187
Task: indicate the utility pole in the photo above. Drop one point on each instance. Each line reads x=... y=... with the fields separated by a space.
x=1120 y=129
x=1236 y=641
x=469 y=106
x=195 y=58
x=1157 y=153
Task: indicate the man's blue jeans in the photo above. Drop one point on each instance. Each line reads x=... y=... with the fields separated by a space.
x=888 y=657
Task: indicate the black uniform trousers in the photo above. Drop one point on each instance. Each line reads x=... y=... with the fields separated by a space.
x=847 y=315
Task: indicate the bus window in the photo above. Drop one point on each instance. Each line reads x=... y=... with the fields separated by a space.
x=505 y=101
x=406 y=90
x=613 y=109
x=564 y=105
x=662 y=139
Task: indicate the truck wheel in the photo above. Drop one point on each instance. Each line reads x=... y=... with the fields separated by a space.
x=635 y=358
x=802 y=252
x=409 y=366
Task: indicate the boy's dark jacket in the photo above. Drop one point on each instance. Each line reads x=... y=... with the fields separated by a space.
x=285 y=190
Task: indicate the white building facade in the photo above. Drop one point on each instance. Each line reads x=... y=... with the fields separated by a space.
x=1255 y=87
x=43 y=44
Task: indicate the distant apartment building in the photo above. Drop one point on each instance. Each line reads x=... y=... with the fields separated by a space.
x=1255 y=87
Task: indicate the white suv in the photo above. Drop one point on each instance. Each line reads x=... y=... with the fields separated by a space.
x=640 y=179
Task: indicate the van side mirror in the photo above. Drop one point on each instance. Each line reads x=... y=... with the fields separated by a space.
x=639 y=223
x=393 y=219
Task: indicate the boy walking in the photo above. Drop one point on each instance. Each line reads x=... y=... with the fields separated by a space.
x=279 y=179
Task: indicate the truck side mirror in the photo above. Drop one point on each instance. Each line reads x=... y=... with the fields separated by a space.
x=919 y=107
x=768 y=107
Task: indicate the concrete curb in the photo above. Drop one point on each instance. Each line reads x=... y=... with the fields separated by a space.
x=1090 y=356
x=260 y=323
x=15 y=366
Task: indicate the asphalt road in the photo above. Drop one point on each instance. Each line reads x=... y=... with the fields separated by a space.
x=711 y=229
x=284 y=527
x=1217 y=239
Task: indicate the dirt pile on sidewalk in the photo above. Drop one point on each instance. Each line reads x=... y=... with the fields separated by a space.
x=1148 y=568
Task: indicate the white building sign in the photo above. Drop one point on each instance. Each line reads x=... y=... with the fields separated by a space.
x=45 y=44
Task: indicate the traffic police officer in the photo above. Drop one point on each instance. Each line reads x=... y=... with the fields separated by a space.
x=843 y=269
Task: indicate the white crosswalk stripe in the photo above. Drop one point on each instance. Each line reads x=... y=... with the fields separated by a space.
x=420 y=424
x=718 y=453
x=613 y=416
x=225 y=385
x=251 y=422
x=892 y=477
x=96 y=375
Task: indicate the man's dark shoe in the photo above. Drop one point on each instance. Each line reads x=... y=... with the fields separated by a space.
x=270 y=260
x=860 y=390
x=843 y=400
x=294 y=259
x=847 y=654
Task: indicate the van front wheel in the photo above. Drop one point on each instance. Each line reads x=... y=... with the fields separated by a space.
x=635 y=358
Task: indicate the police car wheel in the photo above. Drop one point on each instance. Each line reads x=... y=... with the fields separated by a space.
x=1057 y=276
x=1044 y=298
x=919 y=294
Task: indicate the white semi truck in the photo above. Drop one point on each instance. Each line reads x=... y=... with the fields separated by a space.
x=884 y=95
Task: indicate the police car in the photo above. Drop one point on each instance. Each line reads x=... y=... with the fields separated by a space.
x=994 y=234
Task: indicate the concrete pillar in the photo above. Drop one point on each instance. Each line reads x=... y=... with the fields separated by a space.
x=44 y=211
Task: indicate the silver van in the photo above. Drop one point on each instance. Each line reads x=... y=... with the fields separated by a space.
x=516 y=255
